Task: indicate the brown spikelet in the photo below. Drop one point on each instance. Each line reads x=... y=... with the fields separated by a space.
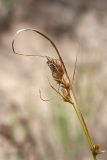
x=56 y=69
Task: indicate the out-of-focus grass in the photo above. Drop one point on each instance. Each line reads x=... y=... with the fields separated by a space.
x=54 y=139
x=8 y=3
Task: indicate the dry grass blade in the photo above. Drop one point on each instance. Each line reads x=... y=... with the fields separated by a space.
x=46 y=100
x=46 y=37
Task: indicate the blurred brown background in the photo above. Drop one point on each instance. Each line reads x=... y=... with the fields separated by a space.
x=31 y=129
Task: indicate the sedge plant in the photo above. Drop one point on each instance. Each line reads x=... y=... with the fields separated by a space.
x=65 y=86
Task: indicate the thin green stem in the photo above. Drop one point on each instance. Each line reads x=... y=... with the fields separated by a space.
x=83 y=124
x=94 y=157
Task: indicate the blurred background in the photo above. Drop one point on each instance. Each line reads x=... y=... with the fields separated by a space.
x=31 y=129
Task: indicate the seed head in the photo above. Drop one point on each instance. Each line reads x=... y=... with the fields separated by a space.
x=56 y=69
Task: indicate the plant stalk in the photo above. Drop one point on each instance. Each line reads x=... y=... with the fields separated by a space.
x=83 y=124
x=94 y=157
